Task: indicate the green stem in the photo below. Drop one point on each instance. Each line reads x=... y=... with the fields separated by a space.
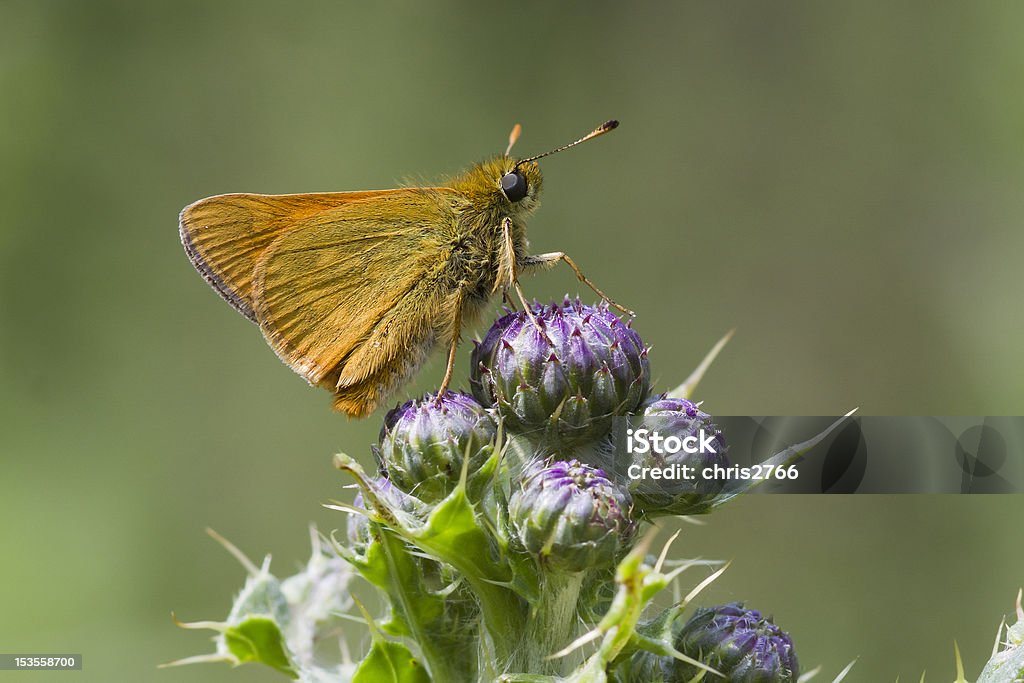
x=504 y=616
x=552 y=623
x=408 y=599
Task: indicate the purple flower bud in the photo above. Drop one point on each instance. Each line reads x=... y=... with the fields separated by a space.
x=423 y=443
x=679 y=418
x=571 y=517
x=740 y=643
x=561 y=380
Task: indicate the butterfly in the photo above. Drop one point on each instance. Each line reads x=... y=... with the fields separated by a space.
x=353 y=290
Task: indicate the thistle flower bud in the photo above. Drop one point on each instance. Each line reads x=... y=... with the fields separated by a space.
x=571 y=517
x=423 y=443
x=740 y=643
x=562 y=379
x=679 y=418
x=358 y=530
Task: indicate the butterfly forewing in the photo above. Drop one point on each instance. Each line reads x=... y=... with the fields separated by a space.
x=358 y=264
x=340 y=283
x=225 y=235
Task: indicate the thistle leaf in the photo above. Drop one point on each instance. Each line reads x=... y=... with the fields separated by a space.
x=258 y=639
x=389 y=662
x=689 y=385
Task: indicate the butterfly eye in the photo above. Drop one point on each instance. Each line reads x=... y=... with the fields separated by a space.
x=513 y=185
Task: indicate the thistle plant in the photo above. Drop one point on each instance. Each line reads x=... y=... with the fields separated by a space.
x=499 y=547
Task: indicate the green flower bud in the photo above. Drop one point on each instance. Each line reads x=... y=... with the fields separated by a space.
x=680 y=418
x=571 y=517
x=358 y=530
x=423 y=443
x=646 y=667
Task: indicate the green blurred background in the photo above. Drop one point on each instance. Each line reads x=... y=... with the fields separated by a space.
x=840 y=182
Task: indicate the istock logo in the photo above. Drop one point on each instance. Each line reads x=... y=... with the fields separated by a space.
x=642 y=441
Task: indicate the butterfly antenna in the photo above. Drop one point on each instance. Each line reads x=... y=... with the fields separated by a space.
x=600 y=130
x=512 y=137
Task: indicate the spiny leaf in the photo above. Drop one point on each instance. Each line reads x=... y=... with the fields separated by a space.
x=686 y=389
x=258 y=639
x=389 y=662
x=784 y=458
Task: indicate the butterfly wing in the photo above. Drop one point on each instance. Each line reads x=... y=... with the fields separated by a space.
x=321 y=290
x=225 y=235
x=343 y=286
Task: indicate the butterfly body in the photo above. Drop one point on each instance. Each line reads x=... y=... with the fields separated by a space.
x=353 y=290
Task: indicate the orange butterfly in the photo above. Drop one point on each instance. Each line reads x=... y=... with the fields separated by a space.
x=352 y=290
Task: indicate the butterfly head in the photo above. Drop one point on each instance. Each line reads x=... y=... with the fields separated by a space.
x=520 y=182
x=511 y=188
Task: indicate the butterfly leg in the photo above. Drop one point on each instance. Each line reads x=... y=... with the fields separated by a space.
x=507 y=301
x=526 y=306
x=456 y=331
x=508 y=271
x=545 y=261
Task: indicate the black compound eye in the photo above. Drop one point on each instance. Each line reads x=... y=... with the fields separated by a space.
x=513 y=185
